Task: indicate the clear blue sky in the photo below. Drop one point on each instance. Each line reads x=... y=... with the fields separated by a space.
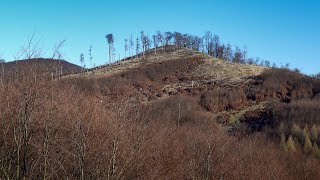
x=277 y=30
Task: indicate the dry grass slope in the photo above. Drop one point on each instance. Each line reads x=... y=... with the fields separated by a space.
x=126 y=65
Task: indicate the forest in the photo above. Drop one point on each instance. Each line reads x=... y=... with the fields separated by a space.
x=57 y=123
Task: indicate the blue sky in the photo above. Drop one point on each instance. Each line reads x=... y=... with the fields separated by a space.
x=281 y=31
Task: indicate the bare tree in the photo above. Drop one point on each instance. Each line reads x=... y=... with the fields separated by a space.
x=257 y=60
x=240 y=55
x=148 y=43
x=160 y=39
x=208 y=42
x=90 y=56
x=237 y=57
x=168 y=38
x=197 y=43
x=131 y=44
x=155 y=43
x=57 y=50
x=137 y=47
x=110 y=40
x=126 y=46
x=215 y=47
x=190 y=41
x=23 y=132
x=80 y=143
x=187 y=41
x=178 y=39
x=114 y=53
x=244 y=54
x=82 y=61
x=143 y=42
x=32 y=49
x=58 y=55
x=228 y=53
x=250 y=61
x=220 y=51
x=267 y=63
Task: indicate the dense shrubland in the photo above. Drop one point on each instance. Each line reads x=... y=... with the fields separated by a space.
x=91 y=129
x=80 y=128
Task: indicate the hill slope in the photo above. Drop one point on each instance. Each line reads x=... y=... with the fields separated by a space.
x=180 y=72
x=209 y=68
x=234 y=93
x=161 y=117
x=43 y=66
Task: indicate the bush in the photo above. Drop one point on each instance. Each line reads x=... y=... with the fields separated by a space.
x=223 y=99
x=314 y=133
x=307 y=148
x=291 y=144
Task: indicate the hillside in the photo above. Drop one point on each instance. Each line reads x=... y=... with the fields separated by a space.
x=237 y=95
x=40 y=66
x=183 y=71
x=177 y=114
x=209 y=68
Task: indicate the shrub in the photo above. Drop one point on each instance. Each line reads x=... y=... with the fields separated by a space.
x=314 y=133
x=283 y=144
x=223 y=99
x=315 y=149
x=307 y=148
x=297 y=132
x=291 y=144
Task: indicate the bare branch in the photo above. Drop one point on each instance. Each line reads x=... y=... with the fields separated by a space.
x=31 y=50
x=56 y=50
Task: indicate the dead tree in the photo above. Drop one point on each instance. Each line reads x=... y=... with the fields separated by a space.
x=126 y=46
x=110 y=40
x=131 y=45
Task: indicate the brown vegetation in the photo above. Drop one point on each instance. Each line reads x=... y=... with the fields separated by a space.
x=127 y=126
x=17 y=70
x=48 y=134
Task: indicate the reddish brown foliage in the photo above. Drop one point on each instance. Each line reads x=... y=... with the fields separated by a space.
x=284 y=85
x=78 y=128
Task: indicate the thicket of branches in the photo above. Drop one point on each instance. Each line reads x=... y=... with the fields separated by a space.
x=75 y=128
x=61 y=129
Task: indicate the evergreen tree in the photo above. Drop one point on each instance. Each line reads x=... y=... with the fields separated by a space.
x=291 y=144
x=297 y=132
x=281 y=128
x=314 y=133
x=315 y=149
x=283 y=144
x=305 y=132
x=307 y=148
